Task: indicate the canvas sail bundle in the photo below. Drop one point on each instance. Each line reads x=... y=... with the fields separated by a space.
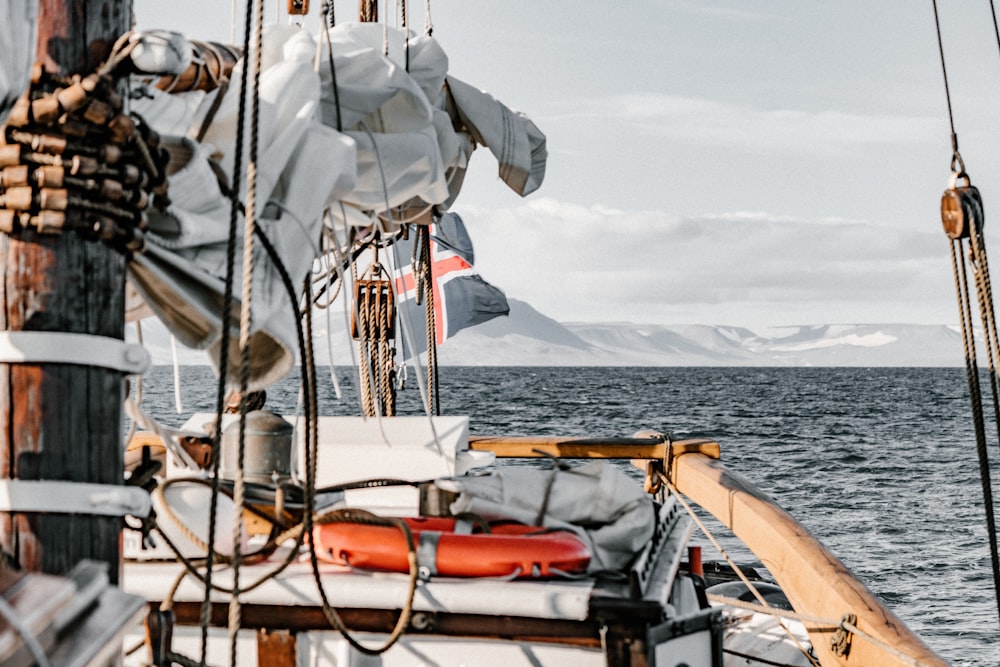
x=596 y=500
x=392 y=141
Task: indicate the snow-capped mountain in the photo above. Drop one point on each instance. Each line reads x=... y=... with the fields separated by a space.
x=529 y=338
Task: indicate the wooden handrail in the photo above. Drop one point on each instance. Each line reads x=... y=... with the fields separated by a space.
x=573 y=448
x=814 y=580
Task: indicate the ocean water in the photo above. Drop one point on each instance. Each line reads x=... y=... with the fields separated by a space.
x=878 y=463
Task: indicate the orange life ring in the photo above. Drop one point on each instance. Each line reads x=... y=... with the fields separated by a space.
x=510 y=549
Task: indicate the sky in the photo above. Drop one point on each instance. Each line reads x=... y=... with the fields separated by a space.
x=758 y=164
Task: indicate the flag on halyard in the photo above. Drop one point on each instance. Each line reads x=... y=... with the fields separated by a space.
x=461 y=297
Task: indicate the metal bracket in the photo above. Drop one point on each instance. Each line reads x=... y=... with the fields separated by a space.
x=63 y=497
x=54 y=347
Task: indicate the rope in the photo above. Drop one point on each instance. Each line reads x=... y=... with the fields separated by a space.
x=969 y=209
x=736 y=568
x=9 y=614
x=824 y=623
x=984 y=298
x=332 y=66
x=368 y=12
x=367 y=518
x=426 y=289
x=249 y=226
x=227 y=303
x=312 y=448
x=956 y=157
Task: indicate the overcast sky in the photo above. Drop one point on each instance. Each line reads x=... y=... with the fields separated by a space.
x=748 y=163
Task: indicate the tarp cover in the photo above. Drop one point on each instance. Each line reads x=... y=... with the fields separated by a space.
x=397 y=138
x=596 y=500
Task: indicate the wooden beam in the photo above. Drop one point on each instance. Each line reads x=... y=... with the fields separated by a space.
x=574 y=448
x=815 y=581
x=62 y=421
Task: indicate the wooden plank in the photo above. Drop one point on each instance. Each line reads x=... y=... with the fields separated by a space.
x=304 y=618
x=575 y=448
x=814 y=580
x=275 y=648
x=37 y=599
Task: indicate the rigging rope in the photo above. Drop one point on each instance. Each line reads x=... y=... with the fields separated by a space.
x=425 y=290
x=962 y=217
x=736 y=568
x=249 y=227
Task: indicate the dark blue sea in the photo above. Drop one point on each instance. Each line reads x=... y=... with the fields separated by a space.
x=878 y=463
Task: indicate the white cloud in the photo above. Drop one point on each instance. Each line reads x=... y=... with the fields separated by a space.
x=595 y=263
x=696 y=121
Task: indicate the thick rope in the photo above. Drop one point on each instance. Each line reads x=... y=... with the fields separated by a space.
x=981 y=277
x=312 y=447
x=984 y=295
x=427 y=290
x=367 y=518
x=249 y=226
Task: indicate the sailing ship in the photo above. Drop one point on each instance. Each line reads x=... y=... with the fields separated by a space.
x=377 y=539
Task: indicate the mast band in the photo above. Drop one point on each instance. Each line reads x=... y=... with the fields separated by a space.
x=52 y=347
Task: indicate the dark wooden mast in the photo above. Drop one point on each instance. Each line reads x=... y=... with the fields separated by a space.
x=63 y=421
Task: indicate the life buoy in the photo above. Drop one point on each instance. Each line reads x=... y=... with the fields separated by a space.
x=510 y=549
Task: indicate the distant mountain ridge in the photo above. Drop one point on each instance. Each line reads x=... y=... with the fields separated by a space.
x=528 y=338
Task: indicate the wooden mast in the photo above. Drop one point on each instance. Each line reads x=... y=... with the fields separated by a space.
x=63 y=421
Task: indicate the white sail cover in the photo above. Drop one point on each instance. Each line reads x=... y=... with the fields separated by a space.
x=17 y=50
x=387 y=139
x=596 y=500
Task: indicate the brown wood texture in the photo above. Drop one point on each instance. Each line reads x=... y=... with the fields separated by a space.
x=303 y=618
x=62 y=421
x=276 y=648
x=583 y=448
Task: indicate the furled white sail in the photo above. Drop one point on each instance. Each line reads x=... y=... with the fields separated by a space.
x=596 y=500
x=386 y=139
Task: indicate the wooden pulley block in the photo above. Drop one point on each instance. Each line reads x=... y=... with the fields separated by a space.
x=961 y=208
x=298 y=7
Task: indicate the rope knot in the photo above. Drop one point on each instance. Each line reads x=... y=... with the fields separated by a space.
x=840 y=643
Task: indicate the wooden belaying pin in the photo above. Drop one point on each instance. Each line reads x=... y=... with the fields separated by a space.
x=49 y=222
x=53 y=199
x=19 y=199
x=50 y=176
x=20 y=114
x=14 y=175
x=10 y=155
x=45 y=109
x=9 y=221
